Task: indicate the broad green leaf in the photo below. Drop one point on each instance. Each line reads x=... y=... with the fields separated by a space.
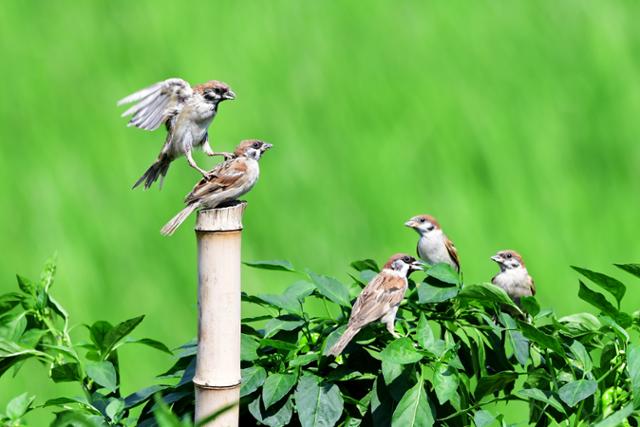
x=576 y=391
x=581 y=355
x=391 y=371
x=285 y=302
x=630 y=268
x=303 y=359
x=445 y=383
x=537 y=394
x=413 y=410
x=444 y=273
x=282 y=323
x=252 y=378
x=424 y=334
x=300 y=289
x=26 y=285
x=9 y=301
x=487 y=293
x=617 y=418
x=19 y=405
x=491 y=383
x=333 y=338
x=518 y=342
x=276 y=416
x=120 y=331
x=141 y=396
x=581 y=322
x=429 y=294
x=599 y=301
x=114 y=408
x=400 y=351
x=633 y=367
x=98 y=332
x=365 y=264
x=331 y=288
x=277 y=344
x=74 y=418
x=248 y=348
x=151 y=343
x=530 y=305
x=276 y=387
x=280 y=265
x=102 y=373
x=65 y=372
x=613 y=286
x=484 y=418
x=541 y=338
x=318 y=404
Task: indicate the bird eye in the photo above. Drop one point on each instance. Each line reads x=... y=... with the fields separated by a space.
x=407 y=259
x=422 y=220
x=256 y=145
x=509 y=255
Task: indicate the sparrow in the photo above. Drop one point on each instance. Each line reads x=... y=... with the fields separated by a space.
x=226 y=182
x=513 y=278
x=433 y=246
x=379 y=300
x=186 y=113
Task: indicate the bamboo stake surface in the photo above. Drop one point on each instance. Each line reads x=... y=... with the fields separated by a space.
x=217 y=376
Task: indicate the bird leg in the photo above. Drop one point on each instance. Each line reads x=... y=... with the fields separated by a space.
x=193 y=164
x=389 y=321
x=209 y=152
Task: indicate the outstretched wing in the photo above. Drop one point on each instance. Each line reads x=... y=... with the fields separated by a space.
x=155 y=104
x=222 y=176
x=376 y=298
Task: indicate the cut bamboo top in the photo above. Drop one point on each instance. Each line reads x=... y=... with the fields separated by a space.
x=228 y=218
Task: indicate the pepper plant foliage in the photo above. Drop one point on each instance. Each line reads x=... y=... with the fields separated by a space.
x=463 y=348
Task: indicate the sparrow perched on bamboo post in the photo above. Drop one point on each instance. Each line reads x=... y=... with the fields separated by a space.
x=433 y=246
x=226 y=182
x=379 y=300
x=513 y=278
x=186 y=112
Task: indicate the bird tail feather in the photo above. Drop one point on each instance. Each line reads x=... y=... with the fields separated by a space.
x=344 y=340
x=158 y=170
x=175 y=222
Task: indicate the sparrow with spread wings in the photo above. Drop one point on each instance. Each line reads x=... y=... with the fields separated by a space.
x=513 y=278
x=379 y=300
x=227 y=181
x=434 y=246
x=185 y=111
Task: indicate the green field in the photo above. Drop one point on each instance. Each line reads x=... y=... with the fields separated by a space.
x=514 y=123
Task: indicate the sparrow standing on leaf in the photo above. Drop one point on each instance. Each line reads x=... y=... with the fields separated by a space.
x=434 y=246
x=227 y=181
x=513 y=278
x=379 y=300
x=186 y=112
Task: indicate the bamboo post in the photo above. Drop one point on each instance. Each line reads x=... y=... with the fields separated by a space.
x=217 y=377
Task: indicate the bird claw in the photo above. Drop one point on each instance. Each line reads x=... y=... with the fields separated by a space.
x=225 y=154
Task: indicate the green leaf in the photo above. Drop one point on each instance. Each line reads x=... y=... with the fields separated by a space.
x=400 y=351
x=163 y=415
x=617 y=418
x=300 y=289
x=151 y=343
x=248 y=348
x=581 y=355
x=252 y=378
x=120 y=331
x=279 y=265
x=66 y=372
x=539 y=395
x=19 y=405
x=103 y=373
x=429 y=294
x=444 y=273
x=9 y=301
x=318 y=404
x=285 y=302
x=530 y=305
x=331 y=288
x=98 y=332
x=282 y=323
x=276 y=387
x=276 y=416
x=483 y=418
x=487 y=294
x=491 y=383
x=613 y=286
x=365 y=264
x=26 y=285
x=518 y=342
x=381 y=403
x=278 y=344
x=424 y=334
x=73 y=418
x=599 y=301
x=413 y=410
x=142 y=396
x=114 y=409
x=633 y=367
x=630 y=268
x=581 y=322
x=445 y=383
x=303 y=359
x=576 y=391
x=540 y=338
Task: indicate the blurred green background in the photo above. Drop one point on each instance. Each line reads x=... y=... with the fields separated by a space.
x=514 y=123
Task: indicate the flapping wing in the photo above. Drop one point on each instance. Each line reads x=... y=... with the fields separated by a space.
x=224 y=175
x=155 y=104
x=376 y=298
x=453 y=252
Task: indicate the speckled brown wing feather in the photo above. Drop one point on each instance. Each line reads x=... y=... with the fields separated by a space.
x=221 y=177
x=453 y=252
x=382 y=292
x=532 y=285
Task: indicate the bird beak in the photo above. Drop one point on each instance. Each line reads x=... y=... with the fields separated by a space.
x=410 y=224
x=229 y=95
x=497 y=258
x=417 y=265
x=266 y=146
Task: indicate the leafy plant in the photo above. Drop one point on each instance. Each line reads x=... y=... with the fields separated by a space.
x=463 y=349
